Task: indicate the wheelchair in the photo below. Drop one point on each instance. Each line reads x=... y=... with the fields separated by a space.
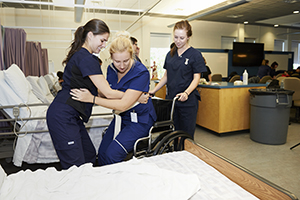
x=162 y=137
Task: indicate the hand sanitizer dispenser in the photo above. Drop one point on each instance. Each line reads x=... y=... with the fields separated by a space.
x=245 y=78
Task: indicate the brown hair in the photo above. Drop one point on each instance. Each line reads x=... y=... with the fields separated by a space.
x=96 y=26
x=184 y=24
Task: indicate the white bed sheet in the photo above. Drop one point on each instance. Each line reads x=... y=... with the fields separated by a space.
x=177 y=175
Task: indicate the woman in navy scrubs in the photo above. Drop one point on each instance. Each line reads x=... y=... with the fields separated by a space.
x=65 y=116
x=133 y=78
x=183 y=65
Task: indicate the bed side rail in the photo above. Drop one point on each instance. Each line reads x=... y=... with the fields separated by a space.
x=16 y=126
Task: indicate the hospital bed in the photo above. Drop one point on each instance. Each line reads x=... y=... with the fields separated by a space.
x=194 y=173
x=25 y=107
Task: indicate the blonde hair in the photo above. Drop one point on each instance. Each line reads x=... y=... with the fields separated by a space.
x=121 y=43
x=265 y=62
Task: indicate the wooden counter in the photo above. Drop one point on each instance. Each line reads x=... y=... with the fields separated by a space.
x=161 y=93
x=225 y=107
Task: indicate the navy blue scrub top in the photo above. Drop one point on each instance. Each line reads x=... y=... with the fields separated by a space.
x=180 y=73
x=137 y=78
x=81 y=65
x=263 y=70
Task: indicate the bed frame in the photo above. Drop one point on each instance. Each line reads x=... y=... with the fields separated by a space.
x=251 y=182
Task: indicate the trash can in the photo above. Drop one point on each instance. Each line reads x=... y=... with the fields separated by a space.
x=270 y=114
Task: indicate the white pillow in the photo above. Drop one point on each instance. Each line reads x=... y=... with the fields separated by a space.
x=17 y=81
x=43 y=84
x=36 y=89
x=9 y=97
x=50 y=80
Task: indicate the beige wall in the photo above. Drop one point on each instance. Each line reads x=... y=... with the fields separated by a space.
x=205 y=34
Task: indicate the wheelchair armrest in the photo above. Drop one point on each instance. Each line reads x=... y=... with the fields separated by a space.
x=163 y=123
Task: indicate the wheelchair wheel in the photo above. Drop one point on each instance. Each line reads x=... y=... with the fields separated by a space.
x=172 y=142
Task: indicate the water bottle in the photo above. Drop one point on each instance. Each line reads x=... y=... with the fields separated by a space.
x=245 y=78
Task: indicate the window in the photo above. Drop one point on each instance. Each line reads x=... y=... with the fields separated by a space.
x=159 y=47
x=227 y=42
x=296 y=50
x=278 y=45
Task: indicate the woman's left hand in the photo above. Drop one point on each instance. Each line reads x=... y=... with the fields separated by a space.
x=182 y=96
x=83 y=95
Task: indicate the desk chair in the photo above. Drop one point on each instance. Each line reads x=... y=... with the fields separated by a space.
x=235 y=78
x=292 y=83
x=216 y=77
x=265 y=79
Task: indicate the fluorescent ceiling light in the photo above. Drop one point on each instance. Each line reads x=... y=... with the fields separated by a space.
x=246 y=22
x=296 y=12
x=276 y=25
x=183 y=7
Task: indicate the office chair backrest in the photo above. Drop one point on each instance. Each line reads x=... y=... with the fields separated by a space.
x=295 y=75
x=265 y=79
x=278 y=75
x=280 y=79
x=235 y=78
x=216 y=77
x=292 y=83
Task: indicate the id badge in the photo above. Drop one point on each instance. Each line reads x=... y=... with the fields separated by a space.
x=133 y=116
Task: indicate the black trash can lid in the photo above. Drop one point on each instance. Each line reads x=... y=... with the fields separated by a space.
x=271 y=91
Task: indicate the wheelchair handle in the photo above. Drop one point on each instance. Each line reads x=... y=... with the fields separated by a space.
x=172 y=109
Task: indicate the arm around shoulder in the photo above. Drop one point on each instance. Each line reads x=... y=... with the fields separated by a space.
x=103 y=86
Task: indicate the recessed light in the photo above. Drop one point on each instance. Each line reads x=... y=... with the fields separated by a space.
x=276 y=25
x=234 y=16
x=178 y=9
x=296 y=12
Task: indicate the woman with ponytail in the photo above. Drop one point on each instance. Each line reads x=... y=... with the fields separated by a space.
x=133 y=78
x=66 y=116
x=183 y=65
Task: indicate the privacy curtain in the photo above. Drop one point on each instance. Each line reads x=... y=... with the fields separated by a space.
x=1 y=49
x=14 y=47
x=45 y=69
x=36 y=59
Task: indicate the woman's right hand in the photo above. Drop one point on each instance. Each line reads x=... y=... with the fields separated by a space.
x=82 y=94
x=144 y=98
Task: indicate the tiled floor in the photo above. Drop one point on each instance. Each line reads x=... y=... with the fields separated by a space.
x=277 y=163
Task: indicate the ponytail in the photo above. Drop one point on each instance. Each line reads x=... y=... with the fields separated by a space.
x=173 y=50
x=76 y=44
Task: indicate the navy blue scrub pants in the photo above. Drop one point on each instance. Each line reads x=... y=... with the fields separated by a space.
x=113 y=151
x=185 y=118
x=69 y=136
